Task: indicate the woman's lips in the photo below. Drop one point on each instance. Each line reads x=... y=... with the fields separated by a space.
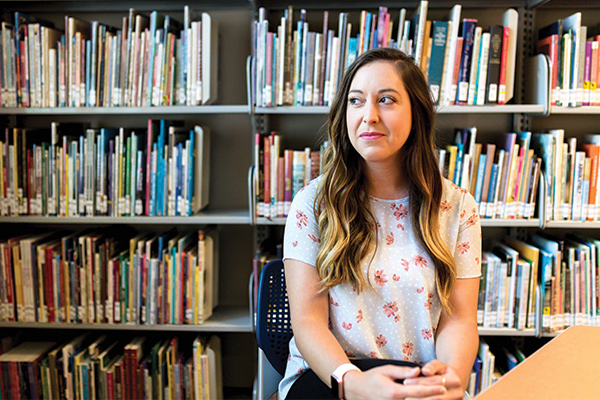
x=370 y=135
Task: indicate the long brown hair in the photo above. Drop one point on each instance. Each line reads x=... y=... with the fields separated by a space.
x=346 y=222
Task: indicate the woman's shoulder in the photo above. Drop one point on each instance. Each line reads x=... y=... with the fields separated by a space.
x=455 y=194
x=307 y=194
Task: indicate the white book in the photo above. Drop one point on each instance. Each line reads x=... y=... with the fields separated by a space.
x=489 y=314
x=510 y=18
x=210 y=64
x=483 y=68
x=421 y=12
x=453 y=35
x=577 y=194
x=466 y=163
x=474 y=65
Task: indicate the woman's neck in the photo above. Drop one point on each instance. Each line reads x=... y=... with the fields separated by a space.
x=385 y=182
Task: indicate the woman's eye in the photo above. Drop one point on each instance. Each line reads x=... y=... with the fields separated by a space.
x=354 y=101
x=387 y=100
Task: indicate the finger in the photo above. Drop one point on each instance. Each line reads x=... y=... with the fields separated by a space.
x=421 y=391
x=439 y=380
x=395 y=372
x=434 y=367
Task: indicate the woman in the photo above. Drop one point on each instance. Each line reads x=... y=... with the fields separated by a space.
x=381 y=253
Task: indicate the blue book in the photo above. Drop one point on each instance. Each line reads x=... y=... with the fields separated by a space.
x=153 y=177
x=458 y=169
x=298 y=63
x=464 y=72
x=477 y=366
x=160 y=170
x=156 y=19
x=367 y=32
x=89 y=76
x=436 y=62
x=480 y=173
x=352 y=50
x=191 y=170
x=493 y=184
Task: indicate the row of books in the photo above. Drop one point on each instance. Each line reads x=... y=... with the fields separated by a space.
x=570 y=167
x=574 y=55
x=547 y=280
x=503 y=179
x=91 y=277
x=492 y=361
x=297 y=66
x=151 y=60
x=279 y=178
x=67 y=170
x=108 y=367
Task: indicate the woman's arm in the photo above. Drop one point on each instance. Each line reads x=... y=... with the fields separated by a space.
x=310 y=319
x=457 y=341
x=457 y=337
x=323 y=353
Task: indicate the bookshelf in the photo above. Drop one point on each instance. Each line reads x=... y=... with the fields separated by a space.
x=233 y=120
x=530 y=110
x=228 y=120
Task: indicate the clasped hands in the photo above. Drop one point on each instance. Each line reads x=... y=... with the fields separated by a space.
x=435 y=380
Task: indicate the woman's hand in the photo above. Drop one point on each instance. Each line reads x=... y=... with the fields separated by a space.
x=436 y=373
x=380 y=383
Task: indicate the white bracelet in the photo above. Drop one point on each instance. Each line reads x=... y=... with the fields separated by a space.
x=338 y=377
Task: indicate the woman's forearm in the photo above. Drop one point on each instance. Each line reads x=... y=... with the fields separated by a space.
x=456 y=345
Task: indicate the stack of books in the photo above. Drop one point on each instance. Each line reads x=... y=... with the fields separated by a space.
x=574 y=58
x=160 y=170
x=503 y=179
x=462 y=63
x=150 y=60
x=279 y=178
x=106 y=367
x=90 y=277
x=545 y=282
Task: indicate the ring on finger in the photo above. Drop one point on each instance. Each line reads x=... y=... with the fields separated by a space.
x=443 y=381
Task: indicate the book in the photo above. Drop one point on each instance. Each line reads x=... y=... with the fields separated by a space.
x=448 y=94
x=464 y=73
x=436 y=65
x=510 y=19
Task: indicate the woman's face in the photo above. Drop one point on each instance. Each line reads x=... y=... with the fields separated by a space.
x=378 y=114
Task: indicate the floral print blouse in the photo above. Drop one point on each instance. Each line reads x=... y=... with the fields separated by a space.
x=398 y=319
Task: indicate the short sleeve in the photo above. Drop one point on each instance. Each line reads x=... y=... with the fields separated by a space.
x=301 y=238
x=467 y=254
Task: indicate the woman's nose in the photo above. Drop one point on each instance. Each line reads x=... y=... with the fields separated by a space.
x=371 y=113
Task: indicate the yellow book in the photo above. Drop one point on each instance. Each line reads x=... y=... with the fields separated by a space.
x=525 y=178
x=512 y=172
x=451 y=149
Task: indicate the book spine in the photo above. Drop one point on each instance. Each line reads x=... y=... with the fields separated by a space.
x=464 y=73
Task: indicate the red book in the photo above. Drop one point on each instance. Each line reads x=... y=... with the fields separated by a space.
x=119 y=379
x=31 y=184
x=458 y=54
x=288 y=156
x=549 y=46
x=267 y=176
x=9 y=282
x=24 y=71
x=502 y=81
x=280 y=185
x=110 y=384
